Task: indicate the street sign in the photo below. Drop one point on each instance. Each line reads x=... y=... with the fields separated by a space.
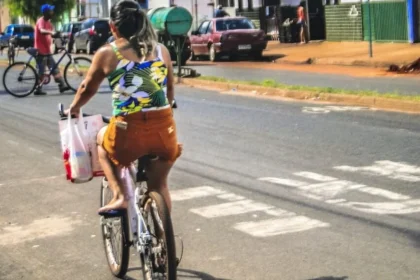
x=353 y=11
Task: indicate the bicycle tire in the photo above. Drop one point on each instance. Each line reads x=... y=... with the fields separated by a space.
x=119 y=270
x=168 y=234
x=23 y=64
x=66 y=69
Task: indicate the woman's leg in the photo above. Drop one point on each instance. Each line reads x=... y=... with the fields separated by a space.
x=112 y=173
x=157 y=174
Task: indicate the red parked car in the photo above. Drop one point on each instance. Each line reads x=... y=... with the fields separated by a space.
x=231 y=36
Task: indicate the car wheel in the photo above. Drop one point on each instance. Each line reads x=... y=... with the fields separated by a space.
x=258 y=55
x=193 y=56
x=89 y=48
x=212 y=54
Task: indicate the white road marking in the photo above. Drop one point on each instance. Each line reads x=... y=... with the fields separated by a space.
x=279 y=213
x=230 y=208
x=26 y=181
x=315 y=176
x=282 y=181
x=57 y=159
x=330 y=190
x=386 y=208
x=272 y=227
x=383 y=193
x=328 y=109
x=335 y=201
x=197 y=192
x=231 y=197
x=13 y=143
x=35 y=150
x=42 y=228
x=393 y=170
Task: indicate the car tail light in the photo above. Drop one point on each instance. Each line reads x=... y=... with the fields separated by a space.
x=92 y=31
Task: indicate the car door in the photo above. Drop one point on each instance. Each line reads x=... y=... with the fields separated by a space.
x=7 y=34
x=201 y=46
x=207 y=37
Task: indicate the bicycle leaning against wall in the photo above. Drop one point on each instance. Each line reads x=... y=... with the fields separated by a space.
x=20 y=79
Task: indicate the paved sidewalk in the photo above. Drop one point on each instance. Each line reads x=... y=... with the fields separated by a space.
x=344 y=53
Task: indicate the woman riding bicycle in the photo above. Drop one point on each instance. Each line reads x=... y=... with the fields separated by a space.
x=140 y=74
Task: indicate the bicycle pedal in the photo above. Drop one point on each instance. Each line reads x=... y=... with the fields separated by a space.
x=112 y=214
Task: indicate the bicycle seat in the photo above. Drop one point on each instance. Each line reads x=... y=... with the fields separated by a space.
x=32 y=51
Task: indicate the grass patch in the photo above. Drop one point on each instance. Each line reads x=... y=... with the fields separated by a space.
x=316 y=90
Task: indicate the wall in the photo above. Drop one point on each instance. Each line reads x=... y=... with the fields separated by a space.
x=161 y=3
x=203 y=10
x=388 y=21
x=343 y=22
x=4 y=17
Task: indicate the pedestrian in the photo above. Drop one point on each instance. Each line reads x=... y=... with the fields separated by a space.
x=301 y=22
x=220 y=12
x=43 y=39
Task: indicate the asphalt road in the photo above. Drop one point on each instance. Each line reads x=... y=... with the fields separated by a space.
x=400 y=85
x=264 y=190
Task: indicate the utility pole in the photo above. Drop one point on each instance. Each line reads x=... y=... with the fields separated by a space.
x=370 y=29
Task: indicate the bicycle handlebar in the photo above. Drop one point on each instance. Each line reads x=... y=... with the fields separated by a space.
x=105 y=119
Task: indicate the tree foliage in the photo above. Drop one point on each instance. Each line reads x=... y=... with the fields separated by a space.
x=31 y=9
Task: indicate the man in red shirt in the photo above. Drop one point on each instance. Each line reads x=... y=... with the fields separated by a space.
x=43 y=39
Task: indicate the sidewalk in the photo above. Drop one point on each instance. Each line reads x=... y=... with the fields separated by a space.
x=343 y=53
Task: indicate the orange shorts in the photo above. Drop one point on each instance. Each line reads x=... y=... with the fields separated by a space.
x=130 y=137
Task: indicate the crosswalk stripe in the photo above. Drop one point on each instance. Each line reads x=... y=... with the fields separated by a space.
x=231 y=197
x=315 y=176
x=230 y=208
x=197 y=192
x=383 y=193
x=285 y=182
x=276 y=226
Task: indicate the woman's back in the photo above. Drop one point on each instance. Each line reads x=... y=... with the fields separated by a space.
x=138 y=84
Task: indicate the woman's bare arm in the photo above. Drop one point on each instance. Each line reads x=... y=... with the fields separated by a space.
x=170 y=89
x=101 y=67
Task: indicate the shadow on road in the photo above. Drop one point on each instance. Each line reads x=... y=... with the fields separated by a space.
x=330 y=278
x=191 y=274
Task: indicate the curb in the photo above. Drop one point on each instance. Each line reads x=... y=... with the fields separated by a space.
x=374 y=102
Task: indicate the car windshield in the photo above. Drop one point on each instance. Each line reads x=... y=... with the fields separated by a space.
x=22 y=29
x=102 y=25
x=76 y=27
x=231 y=24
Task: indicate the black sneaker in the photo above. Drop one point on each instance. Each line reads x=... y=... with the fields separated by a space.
x=40 y=92
x=63 y=88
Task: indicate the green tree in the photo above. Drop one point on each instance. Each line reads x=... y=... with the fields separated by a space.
x=31 y=9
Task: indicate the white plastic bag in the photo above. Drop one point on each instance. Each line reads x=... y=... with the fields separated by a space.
x=76 y=153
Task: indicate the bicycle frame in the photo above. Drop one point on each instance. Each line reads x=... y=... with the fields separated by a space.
x=138 y=234
x=56 y=65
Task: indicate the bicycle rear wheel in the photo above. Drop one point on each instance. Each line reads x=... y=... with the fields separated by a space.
x=162 y=261
x=115 y=236
x=20 y=79
x=75 y=71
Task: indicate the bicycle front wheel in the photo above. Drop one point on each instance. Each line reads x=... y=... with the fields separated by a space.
x=162 y=260
x=20 y=79
x=115 y=236
x=75 y=71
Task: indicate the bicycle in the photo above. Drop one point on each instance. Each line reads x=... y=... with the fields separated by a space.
x=28 y=75
x=146 y=225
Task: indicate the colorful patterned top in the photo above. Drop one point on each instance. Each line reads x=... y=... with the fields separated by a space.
x=138 y=86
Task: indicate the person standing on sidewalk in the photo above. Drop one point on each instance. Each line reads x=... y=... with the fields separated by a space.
x=301 y=22
x=220 y=12
x=43 y=39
